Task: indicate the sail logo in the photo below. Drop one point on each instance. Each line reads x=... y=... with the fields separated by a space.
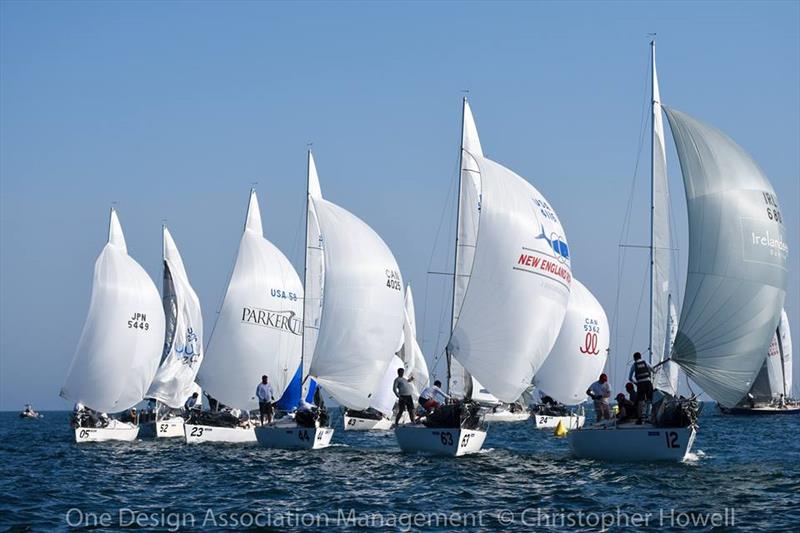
x=763 y=242
x=590 y=344
x=777 y=247
x=280 y=320
x=139 y=321
x=530 y=261
x=189 y=350
x=556 y=242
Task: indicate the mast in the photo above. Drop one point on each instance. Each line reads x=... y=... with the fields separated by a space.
x=653 y=111
x=458 y=223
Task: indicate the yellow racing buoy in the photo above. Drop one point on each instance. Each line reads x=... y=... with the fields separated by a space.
x=561 y=429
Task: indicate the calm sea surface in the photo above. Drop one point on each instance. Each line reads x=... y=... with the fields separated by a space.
x=745 y=472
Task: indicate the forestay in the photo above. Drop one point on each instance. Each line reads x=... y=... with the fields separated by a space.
x=737 y=271
x=121 y=343
x=518 y=285
x=362 y=306
x=580 y=352
x=259 y=328
x=183 y=343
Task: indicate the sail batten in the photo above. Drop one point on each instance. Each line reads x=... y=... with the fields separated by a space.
x=737 y=266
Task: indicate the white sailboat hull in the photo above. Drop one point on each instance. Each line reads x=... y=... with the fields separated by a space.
x=453 y=442
x=294 y=437
x=354 y=423
x=195 y=434
x=168 y=428
x=115 y=430
x=550 y=422
x=505 y=415
x=631 y=442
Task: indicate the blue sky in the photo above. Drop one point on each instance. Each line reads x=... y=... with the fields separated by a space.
x=173 y=109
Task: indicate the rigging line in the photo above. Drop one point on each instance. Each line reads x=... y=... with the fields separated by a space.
x=638 y=309
x=625 y=230
x=453 y=181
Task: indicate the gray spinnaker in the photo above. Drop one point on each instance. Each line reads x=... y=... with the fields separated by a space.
x=737 y=272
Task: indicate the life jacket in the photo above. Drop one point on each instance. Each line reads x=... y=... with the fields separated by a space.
x=641 y=372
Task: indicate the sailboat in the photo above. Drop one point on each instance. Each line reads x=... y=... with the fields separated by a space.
x=735 y=287
x=120 y=346
x=575 y=361
x=183 y=347
x=353 y=310
x=409 y=357
x=510 y=290
x=772 y=388
x=258 y=332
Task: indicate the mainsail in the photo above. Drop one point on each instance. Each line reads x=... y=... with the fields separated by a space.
x=259 y=328
x=666 y=378
x=122 y=339
x=737 y=274
x=580 y=352
x=362 y=303
x=513 y=257
x=660 y=253
x=183 y=343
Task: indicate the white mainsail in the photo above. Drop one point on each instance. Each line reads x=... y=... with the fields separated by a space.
x=259 y=328
x=122 y=339
x=666 y=377
x=518 y=279
x=737 y=274
x=660 y=253
x=580 y=352
x=183 y=343
x=362 y=304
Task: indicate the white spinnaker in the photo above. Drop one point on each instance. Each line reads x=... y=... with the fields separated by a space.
x=518 y=287
x=410 y=353
x=666 y=378
x=259 y=328
x=779 y=360
x=183 y=344
x=737 y=271
x=383 y=399
x=659 y=234
x=580 y=352
x=362 y=307
x=122 y=339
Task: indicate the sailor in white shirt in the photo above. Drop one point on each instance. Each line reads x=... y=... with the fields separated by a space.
x=265 y=396
x=600 y=392
x=433 y=396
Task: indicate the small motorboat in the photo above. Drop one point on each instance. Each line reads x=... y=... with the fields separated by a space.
x=30 y=412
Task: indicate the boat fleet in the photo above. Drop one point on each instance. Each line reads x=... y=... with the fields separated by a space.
x=520 y=324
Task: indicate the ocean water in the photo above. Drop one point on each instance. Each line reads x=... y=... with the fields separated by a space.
x=744 y=475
